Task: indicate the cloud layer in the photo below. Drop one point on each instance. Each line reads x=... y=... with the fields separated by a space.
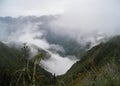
x=88 y=18
x=33 y=34
x=17 y=8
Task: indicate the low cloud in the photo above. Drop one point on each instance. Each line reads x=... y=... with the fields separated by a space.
x=87 y=19
x=32 y=34
x=57 y=64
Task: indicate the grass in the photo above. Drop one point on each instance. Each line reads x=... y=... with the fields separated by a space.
x=106 y=75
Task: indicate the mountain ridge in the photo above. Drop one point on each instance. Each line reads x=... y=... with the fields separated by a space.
x=94 y=62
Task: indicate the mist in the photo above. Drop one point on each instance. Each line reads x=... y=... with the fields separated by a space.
x=89 y=20
x=82 y=20
x=33 y=34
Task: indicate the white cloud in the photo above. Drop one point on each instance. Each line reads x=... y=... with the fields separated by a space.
x=57 y=64
x=84 y=19
x=31 y=7
x=31 y=34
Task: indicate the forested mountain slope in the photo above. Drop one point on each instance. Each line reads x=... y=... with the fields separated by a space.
x=100 y=66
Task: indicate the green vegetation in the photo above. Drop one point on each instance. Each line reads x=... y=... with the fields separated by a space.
x=17 y=70
x=100 y=66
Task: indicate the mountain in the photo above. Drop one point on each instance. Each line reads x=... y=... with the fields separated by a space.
x=100 y=66
x=12 y=27
x=12 y=65
x=76 y=49
x=9 y=56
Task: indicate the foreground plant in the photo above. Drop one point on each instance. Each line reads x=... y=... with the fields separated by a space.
x=37 y=60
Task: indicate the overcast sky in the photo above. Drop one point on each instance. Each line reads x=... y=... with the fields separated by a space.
x=80 y=16
x=31 y=7
x=46 y=7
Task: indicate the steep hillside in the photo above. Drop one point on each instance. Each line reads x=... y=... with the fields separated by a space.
x=14 y=69
x=100 y=66
x=8 y=56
